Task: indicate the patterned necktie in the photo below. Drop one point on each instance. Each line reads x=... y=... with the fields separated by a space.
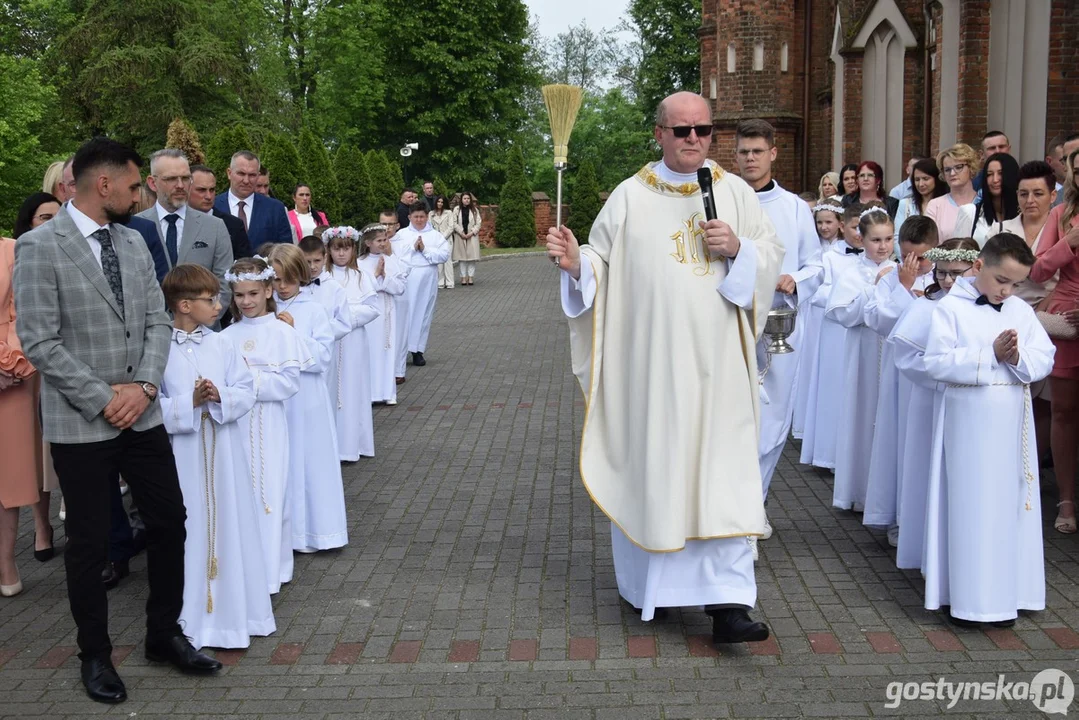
x=170 y=238
x=242 y=212
x=110 y=265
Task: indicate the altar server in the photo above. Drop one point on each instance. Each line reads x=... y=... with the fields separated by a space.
x=277 y=356
x=206 y=389
x=389 y=277
x=983 y=522
x=422 y=248
x=329 y=293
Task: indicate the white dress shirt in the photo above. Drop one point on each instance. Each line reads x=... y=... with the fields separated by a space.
x=249 y=206
x=164 y=225
x=87 y=227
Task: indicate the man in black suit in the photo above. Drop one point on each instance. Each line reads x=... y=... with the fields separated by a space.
x=201 y=197
x=407 y=198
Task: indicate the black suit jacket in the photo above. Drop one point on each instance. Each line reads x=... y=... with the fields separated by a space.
x=241 y=247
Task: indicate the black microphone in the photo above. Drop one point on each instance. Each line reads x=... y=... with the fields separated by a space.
x=704 y=179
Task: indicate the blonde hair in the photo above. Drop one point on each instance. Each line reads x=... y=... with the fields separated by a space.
x=962 y=153
x=834 y=177
x=873 y=213
x=291 y=266
x=54 y=175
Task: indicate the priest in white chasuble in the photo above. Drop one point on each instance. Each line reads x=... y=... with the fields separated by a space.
x=665 y=310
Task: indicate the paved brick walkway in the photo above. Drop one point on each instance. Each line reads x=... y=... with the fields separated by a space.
x=478 y=582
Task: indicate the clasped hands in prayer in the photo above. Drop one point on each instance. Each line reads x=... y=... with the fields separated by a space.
x=205 y=391
x=563 y=248
x=1006 y=347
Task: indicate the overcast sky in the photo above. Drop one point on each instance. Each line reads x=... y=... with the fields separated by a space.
x=557 y=16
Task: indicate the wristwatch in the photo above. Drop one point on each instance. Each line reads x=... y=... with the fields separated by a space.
x=149 y=390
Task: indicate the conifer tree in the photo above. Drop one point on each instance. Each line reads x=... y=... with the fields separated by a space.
x=182 y=136
x=584 y=201
x=516 y=222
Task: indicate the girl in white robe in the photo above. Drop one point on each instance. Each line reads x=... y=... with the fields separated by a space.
x=954 y=258
x=316 y=491
x=276 y=355
x=205 y=390
x=389 y=277
x=828 y=218
x=826 y=373
x=352 y=394
x=983 y=555
x=895 y=292
x=850 y=296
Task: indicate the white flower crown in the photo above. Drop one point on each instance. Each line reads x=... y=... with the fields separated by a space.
x=956 y=255
x=341 y=231
x=373 y=227
x=821 y=207
x=870 y=211
x=264 y=276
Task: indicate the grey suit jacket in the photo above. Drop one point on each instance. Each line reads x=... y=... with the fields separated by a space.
x=73 y=330
x=205 y=241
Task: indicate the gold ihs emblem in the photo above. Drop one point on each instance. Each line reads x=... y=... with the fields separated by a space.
x=689 y=247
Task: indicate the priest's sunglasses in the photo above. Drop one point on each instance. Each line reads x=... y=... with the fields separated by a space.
x=682 y=131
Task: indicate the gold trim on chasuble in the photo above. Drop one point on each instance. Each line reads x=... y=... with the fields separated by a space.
x=651 y=180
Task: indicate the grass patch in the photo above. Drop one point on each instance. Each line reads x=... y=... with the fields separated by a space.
x=485 y=251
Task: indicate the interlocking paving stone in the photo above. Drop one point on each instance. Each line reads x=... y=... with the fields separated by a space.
x=478 y=582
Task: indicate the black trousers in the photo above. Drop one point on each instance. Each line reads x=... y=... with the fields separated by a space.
x=86 y=471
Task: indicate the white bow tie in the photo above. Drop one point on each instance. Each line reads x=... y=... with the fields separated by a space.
x=181 y=337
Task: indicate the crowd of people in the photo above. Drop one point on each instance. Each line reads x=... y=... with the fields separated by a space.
x=213 y=354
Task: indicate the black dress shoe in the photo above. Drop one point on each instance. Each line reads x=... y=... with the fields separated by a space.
x=1003 y=623
x=177 y=650
x=114 y=573
x=102 y=683
x=733 y=625
x=48 y=553
x=960 y=622
x=417 y=359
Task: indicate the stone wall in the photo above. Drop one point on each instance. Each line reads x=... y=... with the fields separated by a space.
x=542 y=209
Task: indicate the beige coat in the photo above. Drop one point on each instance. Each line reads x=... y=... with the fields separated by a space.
x=467 y=249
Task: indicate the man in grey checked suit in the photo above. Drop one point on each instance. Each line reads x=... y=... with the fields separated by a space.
x=92 y=320
x=188 y=236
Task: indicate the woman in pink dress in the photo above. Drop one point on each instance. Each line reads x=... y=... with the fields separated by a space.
x=958 y=165
x=1057 y=252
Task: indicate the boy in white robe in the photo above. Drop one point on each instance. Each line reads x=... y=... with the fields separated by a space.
x=847 y=305
x=329 y=293
x=826 y=374
x=400 y=301
x=800 y=275
x=389 y=277
x=206 y=389
x=983 y=521
x=423 y=249
x=895 y=292
x=952 y=259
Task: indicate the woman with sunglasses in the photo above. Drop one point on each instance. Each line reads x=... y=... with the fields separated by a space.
x=958 y=165
x=870 y=177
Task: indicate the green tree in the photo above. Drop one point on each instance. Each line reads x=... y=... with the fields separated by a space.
x=385 y=190
x=668 y=49
x=441 y=188
x=396 y=175
x=25 y=112
x=584 y=201
x=515 y=225
x=182 y=136
x=612 y=135
x=354 y=182
x=279 y=156
x=318 y=171
x=226 y=141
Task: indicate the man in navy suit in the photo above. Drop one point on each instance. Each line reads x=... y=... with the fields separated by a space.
x=264 y=217
x=153 y=244
x=202 y=196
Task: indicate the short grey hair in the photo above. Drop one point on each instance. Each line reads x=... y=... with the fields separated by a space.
x=242 y=155
x=174 y=153
x=661 y=112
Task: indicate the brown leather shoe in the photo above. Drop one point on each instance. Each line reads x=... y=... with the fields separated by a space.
x=400 y=381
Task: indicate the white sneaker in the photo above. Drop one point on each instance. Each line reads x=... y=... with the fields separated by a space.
x=767 y=529
x=893 y=536
x=63 y=510
x=753 y=546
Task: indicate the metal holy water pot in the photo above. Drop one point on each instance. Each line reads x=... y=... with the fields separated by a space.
x=778 y=327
